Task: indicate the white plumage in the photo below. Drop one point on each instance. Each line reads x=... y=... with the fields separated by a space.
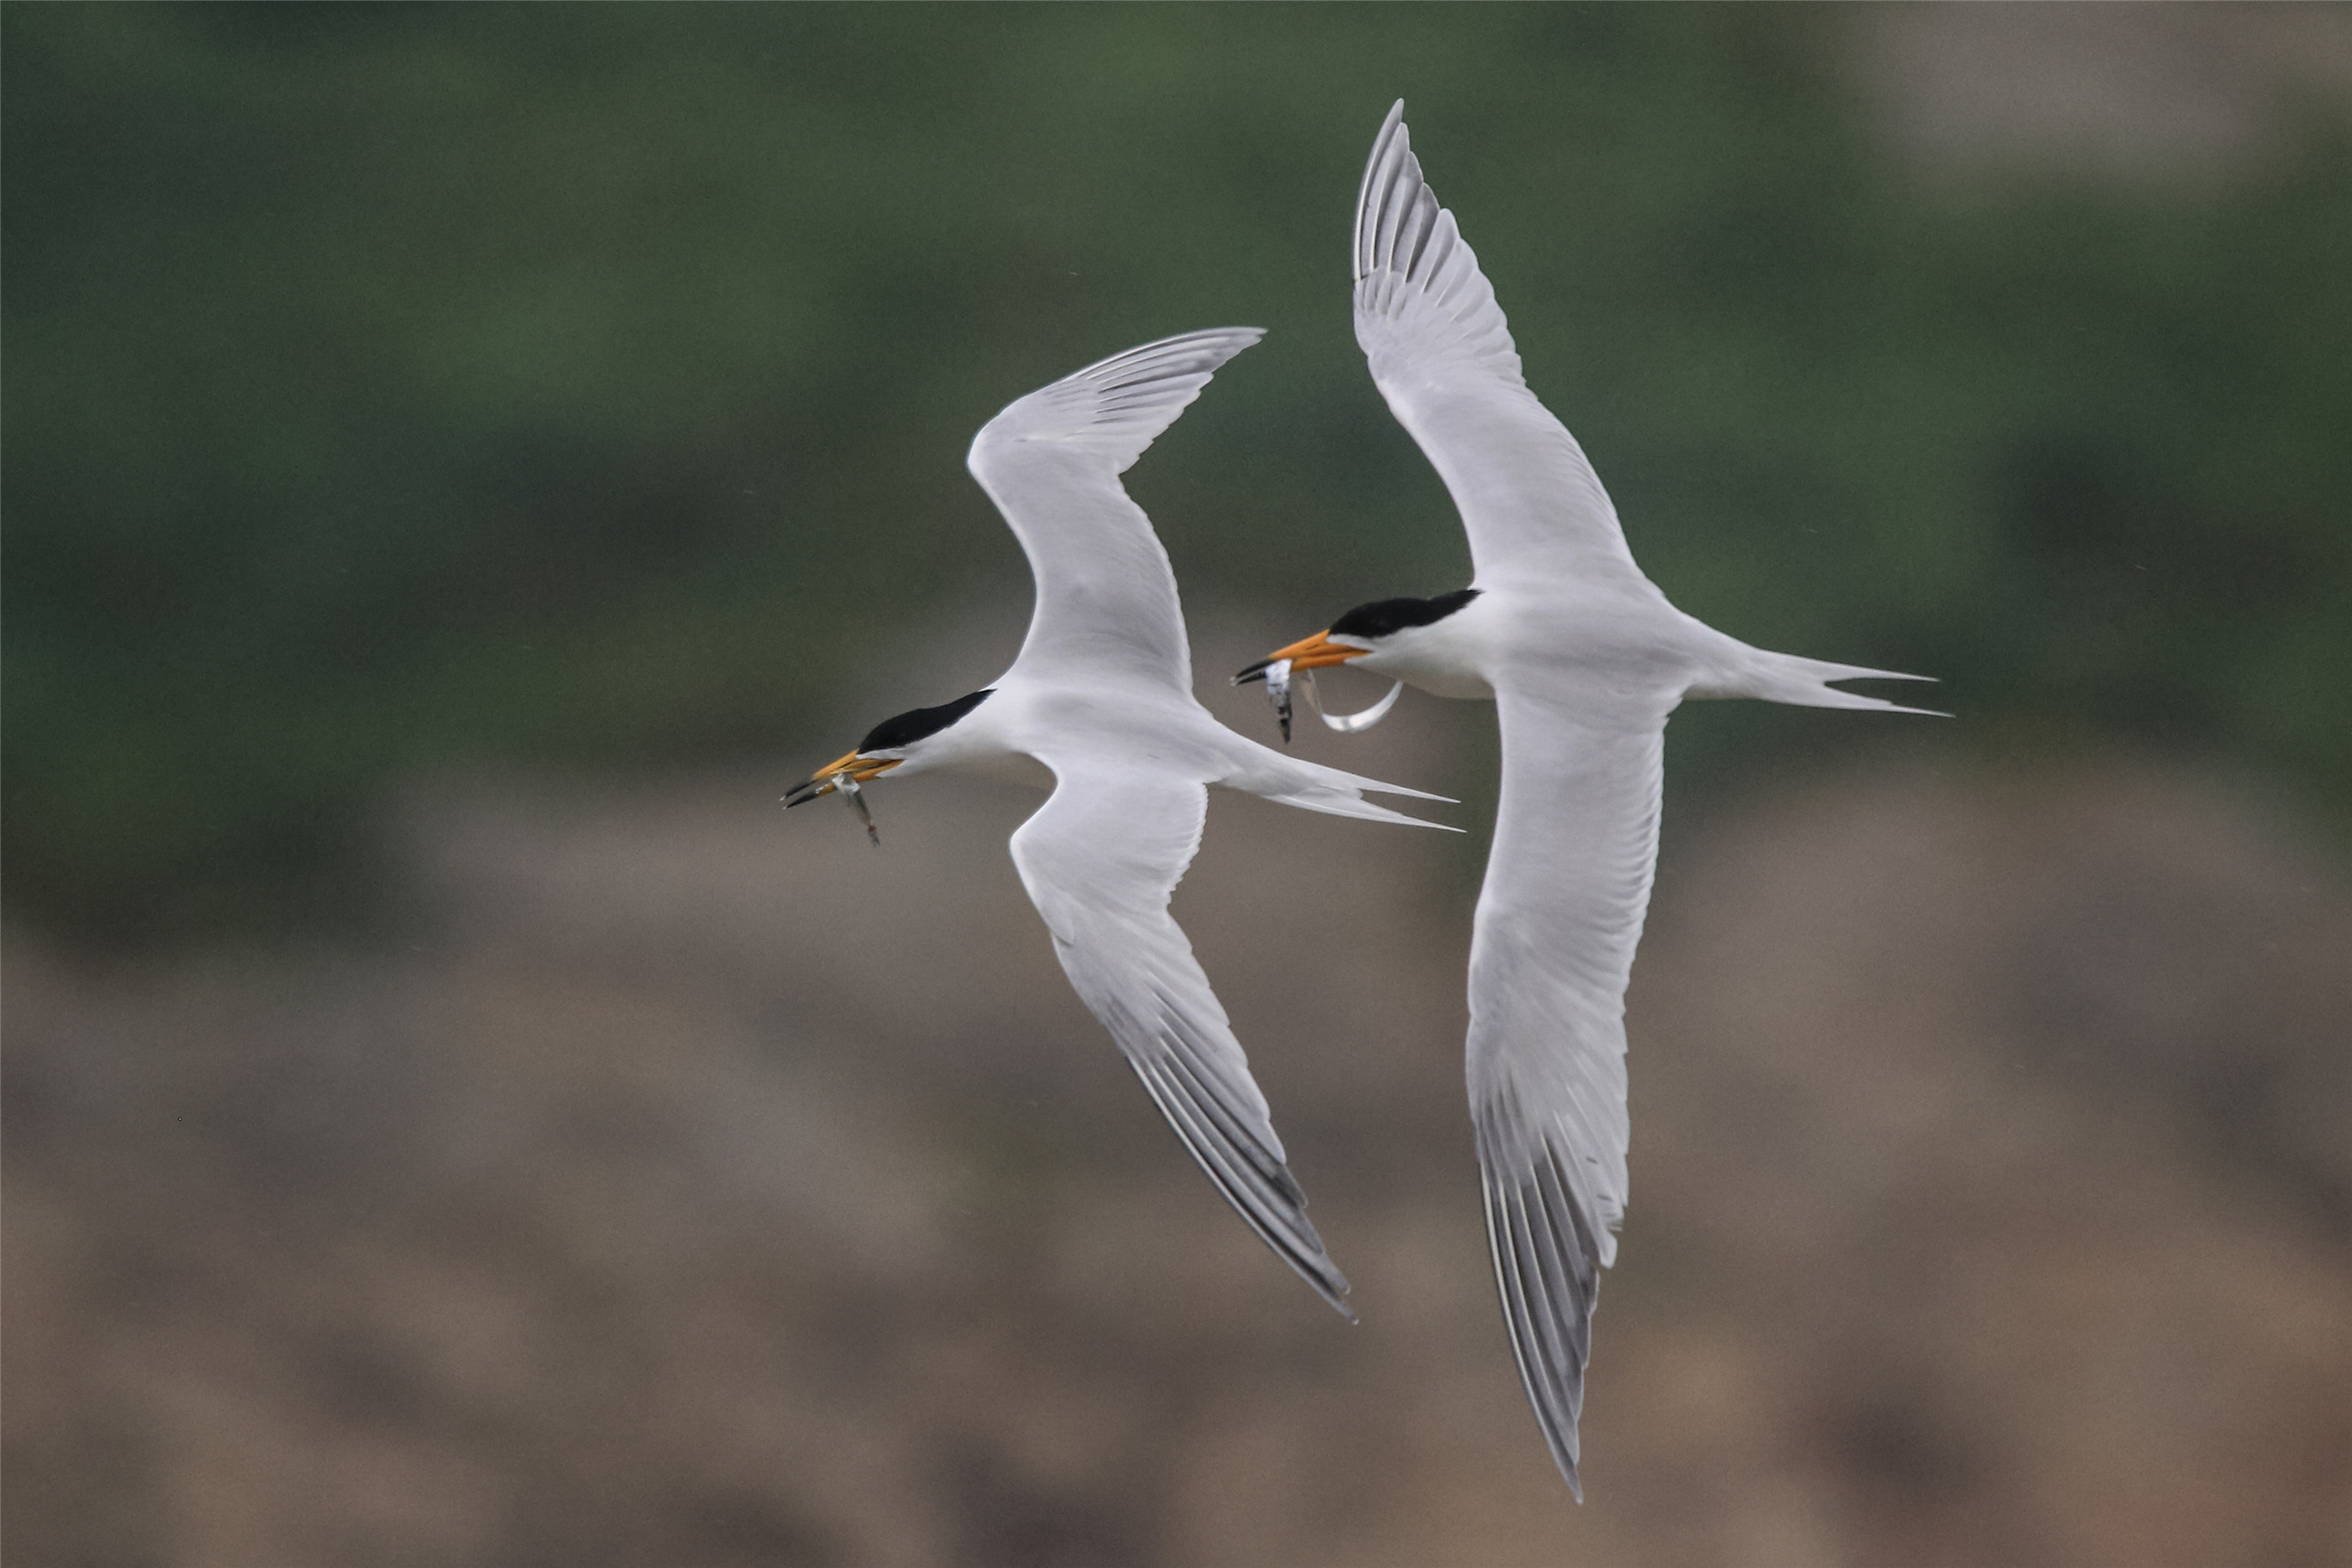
x=1584 y=659
x=1101 y=694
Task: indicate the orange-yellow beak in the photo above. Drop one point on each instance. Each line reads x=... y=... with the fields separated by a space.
x=1310 y=653
x=821 y=783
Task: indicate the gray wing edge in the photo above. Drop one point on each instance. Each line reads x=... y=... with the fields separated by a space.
x=1117 y=407
x=1254 y=1179
x=1406 y=246
x=1546 y=1258
x=1163 y=1014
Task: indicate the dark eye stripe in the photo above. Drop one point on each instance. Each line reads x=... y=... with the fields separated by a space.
x=913 y=725
x=1382 y=617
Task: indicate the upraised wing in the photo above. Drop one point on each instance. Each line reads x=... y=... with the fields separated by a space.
x=1568 y=882
x=1105 y=596
x=1442 y=356
x=1101 y=860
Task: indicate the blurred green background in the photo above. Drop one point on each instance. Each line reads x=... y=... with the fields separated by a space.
x=394 y=387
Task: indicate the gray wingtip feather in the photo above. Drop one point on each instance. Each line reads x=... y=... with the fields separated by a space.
x=1117 y=407
x=1272 y=1204
x=1391 y=127
x=1415 y=273
x=1546 y=1273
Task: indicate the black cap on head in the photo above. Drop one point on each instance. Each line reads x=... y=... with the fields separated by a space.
x=906 y=728
x=1381 y=617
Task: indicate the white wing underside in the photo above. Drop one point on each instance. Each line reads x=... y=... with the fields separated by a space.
x=1101 y=860
x=1106 y=604
x=1442 y=356
x=1576 y=833
x=1568 y=883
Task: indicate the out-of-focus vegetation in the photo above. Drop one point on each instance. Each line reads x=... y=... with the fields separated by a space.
x=389 y=386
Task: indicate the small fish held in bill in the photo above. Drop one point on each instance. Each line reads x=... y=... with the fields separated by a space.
x=1275 y=673
x=1349 y=723
x=856 y=796
x=1277 y=687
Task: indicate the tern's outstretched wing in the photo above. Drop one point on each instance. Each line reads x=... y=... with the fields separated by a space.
x=1099 y=860
x=1576 y=841
x=1442 y=355
x=1106 y=596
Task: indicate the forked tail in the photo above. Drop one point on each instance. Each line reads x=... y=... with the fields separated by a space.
x=1806 y=683
x=1310 y=786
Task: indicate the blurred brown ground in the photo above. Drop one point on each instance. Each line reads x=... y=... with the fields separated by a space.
x=699 y=1186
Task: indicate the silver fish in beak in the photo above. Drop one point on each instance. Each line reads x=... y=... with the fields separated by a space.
x=1275 y=673
x=855 y=794
x=844 y=776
